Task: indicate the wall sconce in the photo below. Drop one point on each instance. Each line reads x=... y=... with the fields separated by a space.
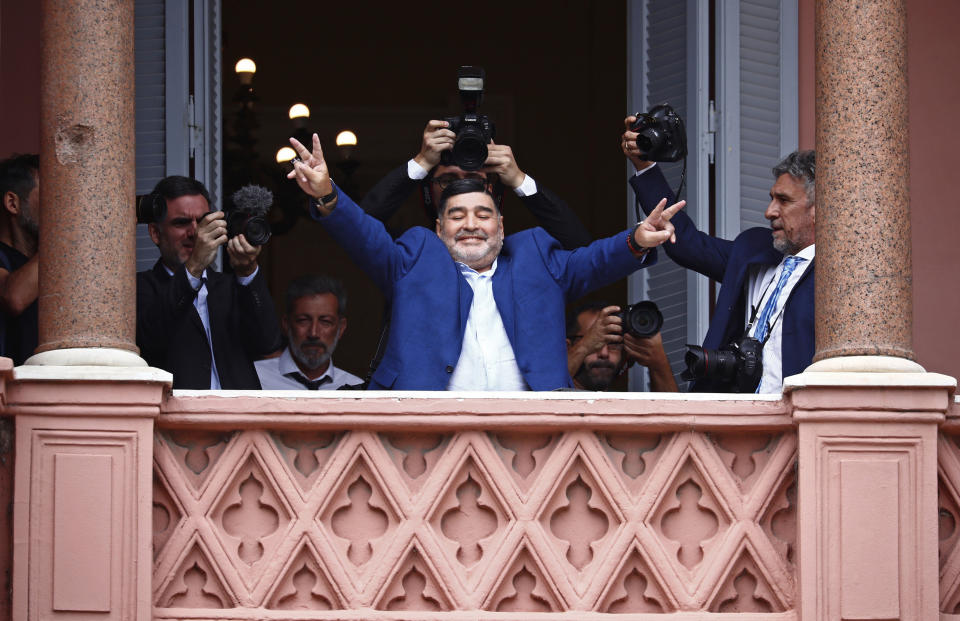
x=347 y=141
x=285 y=154
x=245 y=69
x=299 y=113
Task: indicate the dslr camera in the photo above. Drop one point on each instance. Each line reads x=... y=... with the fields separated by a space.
x=642 y=319
x=735 y=368
x=662 y=136
x=474 y=130
x=246 y=213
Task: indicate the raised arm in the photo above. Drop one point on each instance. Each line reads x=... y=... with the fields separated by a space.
x=693 y=249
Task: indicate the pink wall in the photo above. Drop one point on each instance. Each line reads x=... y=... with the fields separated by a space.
x=932 y=55
x=19 y=77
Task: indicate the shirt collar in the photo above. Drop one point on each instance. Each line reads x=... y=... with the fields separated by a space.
x=807 y=253
x=466 y=270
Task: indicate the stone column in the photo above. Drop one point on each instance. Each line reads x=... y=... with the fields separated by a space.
x=87 y=179
x=864 y=285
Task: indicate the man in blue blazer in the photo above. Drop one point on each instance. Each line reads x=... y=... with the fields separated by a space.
x=750 y=268
x=470 y=309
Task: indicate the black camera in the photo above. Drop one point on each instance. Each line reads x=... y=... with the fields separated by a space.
x=247 y=213
x=474 y=130
x=661 y=134
x=737 y=368
x=642 y=319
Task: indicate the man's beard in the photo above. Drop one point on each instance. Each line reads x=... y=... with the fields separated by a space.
x=594 y=376
x=475 y=255
x=28 y=219
x=785 y=246
x=312 y=361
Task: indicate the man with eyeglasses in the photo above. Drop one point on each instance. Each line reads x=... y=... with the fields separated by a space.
x=500 y=171
x=596 y=346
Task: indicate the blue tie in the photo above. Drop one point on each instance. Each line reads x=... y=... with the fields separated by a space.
x=763 y=321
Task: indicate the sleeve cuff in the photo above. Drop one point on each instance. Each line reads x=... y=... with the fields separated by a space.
x=243 y=281
x=195 y=283
x=527 y=188
x=643 y=170
x=416 y=171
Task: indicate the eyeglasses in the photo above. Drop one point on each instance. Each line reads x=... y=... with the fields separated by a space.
x=444 y=180
x=611 y=346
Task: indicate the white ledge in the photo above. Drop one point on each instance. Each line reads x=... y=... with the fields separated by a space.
x=871 y=379
x=75 y=373
x=397 y=395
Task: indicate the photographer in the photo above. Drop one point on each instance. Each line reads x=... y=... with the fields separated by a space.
x=598 y=351
x=765 y=304
x=442 y=160
x=19 y=259
x=203 y=326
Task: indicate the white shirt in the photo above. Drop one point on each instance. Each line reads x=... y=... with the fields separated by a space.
x=759 y=287
x=200 y=303
x=526 y=188
x=273 y=371
x=486 y=360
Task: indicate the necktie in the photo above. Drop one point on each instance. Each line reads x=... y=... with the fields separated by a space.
x=307 y=383
x=763 y=321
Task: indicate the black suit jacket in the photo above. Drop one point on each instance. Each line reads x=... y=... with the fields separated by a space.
x=552 y=212
x=730 y=263
x=243 y=326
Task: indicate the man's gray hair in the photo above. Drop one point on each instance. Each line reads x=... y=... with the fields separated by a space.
x=317 y=285
x=800 y=165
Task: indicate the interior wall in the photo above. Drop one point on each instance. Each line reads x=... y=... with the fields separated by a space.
x=934 y=81
x=19 y=77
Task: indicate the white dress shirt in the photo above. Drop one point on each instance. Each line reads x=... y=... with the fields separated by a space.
x=273 y=374
x=200 y=303
x=759 y=288
x=486 y=360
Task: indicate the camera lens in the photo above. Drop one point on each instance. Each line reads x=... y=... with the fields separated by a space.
x=470 y=148
x=643 y=319
x=720 y=364
x=257 y=230
x=649 y=140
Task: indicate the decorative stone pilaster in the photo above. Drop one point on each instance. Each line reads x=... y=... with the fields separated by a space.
x=864 y=283
x=82 y=490
x=87 y=178
x=868 y=511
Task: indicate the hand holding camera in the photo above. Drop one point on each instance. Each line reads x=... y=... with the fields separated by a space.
x=243 y=255
x=211 y=234
x=437 y=138
x=500 y=160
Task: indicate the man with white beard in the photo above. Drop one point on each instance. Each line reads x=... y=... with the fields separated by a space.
x=314 y=322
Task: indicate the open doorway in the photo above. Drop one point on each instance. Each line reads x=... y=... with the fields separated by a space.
x=555 y=90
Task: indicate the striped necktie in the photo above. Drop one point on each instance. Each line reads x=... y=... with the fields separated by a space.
x=763 y=321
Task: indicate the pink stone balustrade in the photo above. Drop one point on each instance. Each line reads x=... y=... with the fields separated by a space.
x=132 y=502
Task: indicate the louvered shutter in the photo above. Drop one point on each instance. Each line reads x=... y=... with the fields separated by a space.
x=668 y=64
x=758 y=100
x=150 y=111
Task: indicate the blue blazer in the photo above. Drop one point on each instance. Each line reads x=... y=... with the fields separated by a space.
x=730 y=263
x=430 y=299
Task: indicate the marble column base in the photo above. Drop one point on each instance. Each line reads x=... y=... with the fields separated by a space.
x=87 y=356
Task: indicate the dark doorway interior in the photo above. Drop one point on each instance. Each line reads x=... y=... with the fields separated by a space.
x=556 y=89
